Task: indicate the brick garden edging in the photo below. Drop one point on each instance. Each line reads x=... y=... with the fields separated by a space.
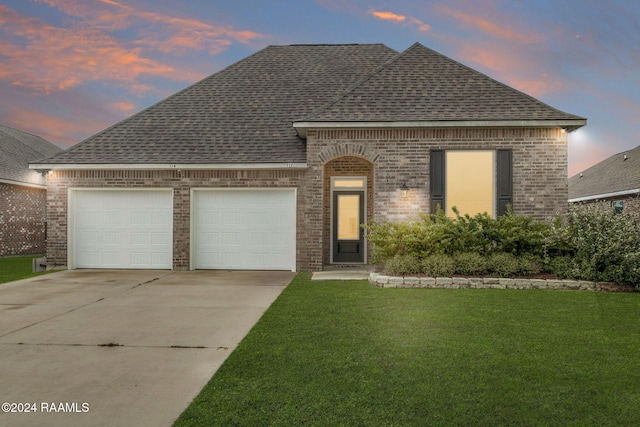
x=384 y=281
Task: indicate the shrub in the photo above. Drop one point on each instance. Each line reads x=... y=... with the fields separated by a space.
x=563 y=267
x=605 y=244
x=469 y=263
x=403 y=265
x=502 y=264
x=438 y=265
x=529 y=264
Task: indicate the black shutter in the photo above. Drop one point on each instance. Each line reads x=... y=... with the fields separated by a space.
x=505 y=181
x=436 y=171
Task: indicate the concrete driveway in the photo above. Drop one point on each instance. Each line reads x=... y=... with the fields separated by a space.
x=121 y=347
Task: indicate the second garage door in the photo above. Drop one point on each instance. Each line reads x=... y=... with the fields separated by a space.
x=252 y=229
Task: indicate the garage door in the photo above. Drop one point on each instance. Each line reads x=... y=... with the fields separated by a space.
x=244 y=229
x=121 y=229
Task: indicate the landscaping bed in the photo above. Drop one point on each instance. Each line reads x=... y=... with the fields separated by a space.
x=385 y=281
x=589 y=244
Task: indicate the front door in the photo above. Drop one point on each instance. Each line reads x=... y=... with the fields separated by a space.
x=347 y=234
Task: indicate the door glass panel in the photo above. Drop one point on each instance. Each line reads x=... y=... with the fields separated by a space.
x=348 y=216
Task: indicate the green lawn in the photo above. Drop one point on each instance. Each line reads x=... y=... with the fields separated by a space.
x=16 y=268
x=347 y=353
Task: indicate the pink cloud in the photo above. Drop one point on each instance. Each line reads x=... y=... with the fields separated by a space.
x=46 y=58
x=126 y=107
x=489 y=26
x=386 y=15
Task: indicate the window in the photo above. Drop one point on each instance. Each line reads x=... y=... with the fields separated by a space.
x=348 y=183
x=473 y=181
x=470 y=182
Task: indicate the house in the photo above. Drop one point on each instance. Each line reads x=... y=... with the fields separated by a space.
x=275 y=161
x=614 y=181
x=23 y=193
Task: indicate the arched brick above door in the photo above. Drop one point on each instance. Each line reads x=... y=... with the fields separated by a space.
x=348 y=149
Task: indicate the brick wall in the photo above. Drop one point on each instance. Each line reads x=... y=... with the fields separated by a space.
x=631 y=203
x=22 y=220
x=181 y=182
x=398 y=156
x=402 y=156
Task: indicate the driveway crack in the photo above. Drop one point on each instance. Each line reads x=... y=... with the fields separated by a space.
x=80 y=306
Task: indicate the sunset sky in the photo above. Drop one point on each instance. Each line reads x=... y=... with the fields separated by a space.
x=70 y=68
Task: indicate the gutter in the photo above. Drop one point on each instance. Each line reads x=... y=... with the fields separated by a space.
x=165 y=166
x=569 y=125
x=605 y=196
x=23 y=184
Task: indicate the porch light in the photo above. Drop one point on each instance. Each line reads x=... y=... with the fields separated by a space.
x=404 y=191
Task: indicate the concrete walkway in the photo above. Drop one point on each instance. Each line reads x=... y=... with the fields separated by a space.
x=121 y=348
x=340 y=275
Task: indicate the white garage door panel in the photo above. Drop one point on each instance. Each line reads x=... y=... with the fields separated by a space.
x=244 y=229
x=123 y=229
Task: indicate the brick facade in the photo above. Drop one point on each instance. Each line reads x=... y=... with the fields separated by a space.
x=60 y=181
x=22 y=220
x=402 y=156
x=388 y=157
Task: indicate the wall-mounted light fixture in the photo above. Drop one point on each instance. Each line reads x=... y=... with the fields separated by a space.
x=404 y=191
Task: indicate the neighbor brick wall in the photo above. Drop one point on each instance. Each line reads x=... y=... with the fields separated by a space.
x=402 y=156
x=631 y=203
x=22 y=220
x=181 y=182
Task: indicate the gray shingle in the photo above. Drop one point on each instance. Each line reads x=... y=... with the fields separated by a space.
x=17 y=150
x=609 y=176
x=423 y=85
x=242 y=114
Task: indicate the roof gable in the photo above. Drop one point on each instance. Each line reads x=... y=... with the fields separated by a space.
x=421 y=85
x=17 y=149
x=618 y=173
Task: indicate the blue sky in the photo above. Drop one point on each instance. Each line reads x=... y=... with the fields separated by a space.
x=70 y=68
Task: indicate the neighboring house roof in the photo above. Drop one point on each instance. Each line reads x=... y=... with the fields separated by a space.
x=618 y=175
x=256 y=110
x=17 y=150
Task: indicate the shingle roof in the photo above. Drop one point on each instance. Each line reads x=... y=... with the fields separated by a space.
x=245 y=113
x=423 y=85
x=242 y=114
x=17 y=150
x=611 y=175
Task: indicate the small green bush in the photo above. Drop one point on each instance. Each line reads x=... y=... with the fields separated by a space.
x=529 y=265
x=563 y=267
x=469 y=263
x=502 y=264
x=438 y=265
x=403 y=265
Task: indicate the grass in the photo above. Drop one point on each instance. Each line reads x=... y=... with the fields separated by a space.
x=16 y=268
x=347 y=353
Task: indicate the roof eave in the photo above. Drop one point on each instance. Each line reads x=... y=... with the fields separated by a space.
x=23 y=184
x=166 y=166
x=567 y=124
x=605 y=196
